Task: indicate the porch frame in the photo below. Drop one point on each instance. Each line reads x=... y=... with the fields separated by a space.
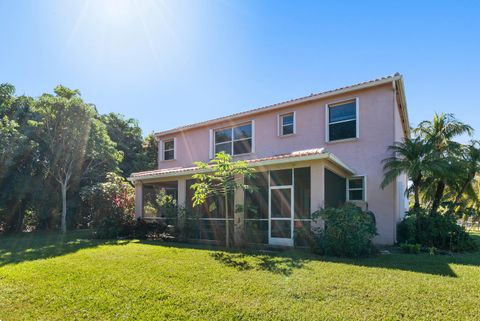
x=317 y=191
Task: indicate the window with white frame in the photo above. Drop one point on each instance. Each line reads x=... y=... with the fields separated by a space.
x=235 y=140
x=356 y=188
x=342 y=120
x=286 y=124
x=168 y=148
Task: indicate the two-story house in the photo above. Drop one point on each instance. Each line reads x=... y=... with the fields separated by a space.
x=311 y=152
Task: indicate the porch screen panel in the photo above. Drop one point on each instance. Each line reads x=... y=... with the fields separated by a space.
x=148 y=195
x=281 y=177
x=214 y=206
x=256 y=209
x=207 y=221
x=154 y=208
x=302 y=193
x=302 y=219
x=335 y=189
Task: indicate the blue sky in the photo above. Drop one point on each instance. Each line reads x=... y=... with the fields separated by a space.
x=168 y=63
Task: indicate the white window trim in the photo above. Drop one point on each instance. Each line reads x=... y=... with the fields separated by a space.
x=327 y=123
x=357 y=189
x=175 y=148
x=280 y=124
x=213 y=144
x=253 y=137
x=162 y=149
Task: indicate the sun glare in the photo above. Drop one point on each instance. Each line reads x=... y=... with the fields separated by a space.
x=130 y=36
x=115 y=10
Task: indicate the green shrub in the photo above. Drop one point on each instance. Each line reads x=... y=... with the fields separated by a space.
x=407 y=230
x=348 y=232
x=410 y=248
x=142 y=229
x=439 y=230
x=304 y=237
x=111 y=204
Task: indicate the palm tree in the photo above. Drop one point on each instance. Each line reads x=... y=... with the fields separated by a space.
x=439 y=134
x=409 y=157
x=468 y=170
x=441 y=130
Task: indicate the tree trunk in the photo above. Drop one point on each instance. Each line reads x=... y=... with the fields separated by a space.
x=459 y=194
x=416 y=196
x=437 y=197
x=416 y=191
x=63 y=226
x=227 y=230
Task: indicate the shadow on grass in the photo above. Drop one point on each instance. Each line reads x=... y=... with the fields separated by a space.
x=21 y=247
x=33 y=246
x=276 y=264
x=287 y=261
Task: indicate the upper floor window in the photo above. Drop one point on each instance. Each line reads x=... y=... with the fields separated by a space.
x=234 y=141
x=168 y=148
x=286 y=125
x=342 y=120
x=356 y=188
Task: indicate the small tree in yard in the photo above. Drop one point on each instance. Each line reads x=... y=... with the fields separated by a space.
x=217 y=178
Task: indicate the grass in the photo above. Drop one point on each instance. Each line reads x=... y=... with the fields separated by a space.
x=45 y=276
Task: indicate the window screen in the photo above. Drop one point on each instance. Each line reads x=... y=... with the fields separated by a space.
x=356 y=188
x=234 y=141
x=168 y=149
x=287 y=124
x=342 y=121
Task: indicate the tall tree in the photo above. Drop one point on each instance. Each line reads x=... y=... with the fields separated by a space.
x=64 y=125
x=18 y=157
x=101 y=156
x=150 y=153
x=127 y=134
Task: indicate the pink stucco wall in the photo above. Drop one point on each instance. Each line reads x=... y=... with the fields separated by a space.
x=379 y=127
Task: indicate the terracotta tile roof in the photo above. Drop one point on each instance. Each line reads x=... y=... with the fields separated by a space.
x=300 y=153
x=255 y=162
x=360 y=85
x=159 y=172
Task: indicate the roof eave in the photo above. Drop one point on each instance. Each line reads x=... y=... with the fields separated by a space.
x=402 y=102
x=326 y=156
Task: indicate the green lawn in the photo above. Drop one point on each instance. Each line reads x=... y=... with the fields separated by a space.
x=45 y=277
